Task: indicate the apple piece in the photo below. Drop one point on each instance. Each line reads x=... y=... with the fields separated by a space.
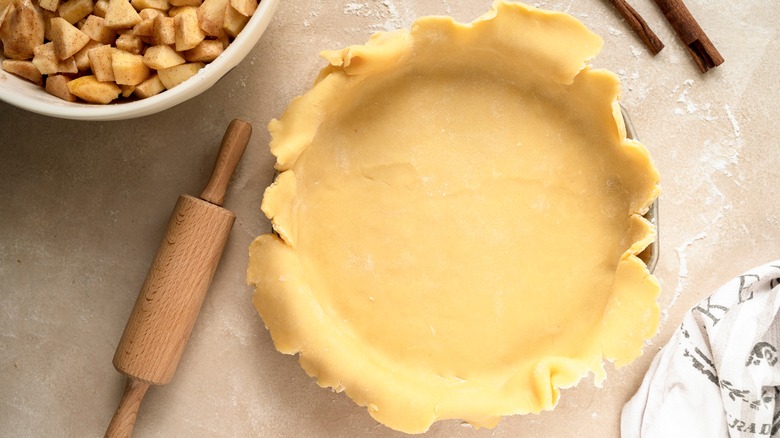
x=150 y=87
x=100 y=62
x=186 y=2
x=46 y=61
x=244 y=7
x=174 y=11
x=161 y=57
x=130 y=43
x=22 y=30
x=66 y=38
x=95 y=28
x=24 y=69
x=211 y=15
x=121 y=15
x=149 y=13
x=127 y=90
x=174 y=76
x=234 y=21
x=164 y=31
x=145 y=28
x=49 y=5
x=82 y=56
x=5 y=7
x=162 y=5
x=47 y=16
x=100 y=8
x=74 y=10
x=206 y=51
x=90 y=89
x=187 y=32
x=57 y=85
x=129 y=69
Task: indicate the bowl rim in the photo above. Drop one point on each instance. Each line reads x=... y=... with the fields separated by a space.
x=200 y=82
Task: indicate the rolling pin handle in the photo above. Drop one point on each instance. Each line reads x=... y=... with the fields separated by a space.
x=124 y=419
x=233 y=144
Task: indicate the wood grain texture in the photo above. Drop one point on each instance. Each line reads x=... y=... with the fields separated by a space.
x=124 y=419
x=233 y=144
x=173 y=291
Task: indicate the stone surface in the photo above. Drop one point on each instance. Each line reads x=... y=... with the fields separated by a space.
x=83 y=206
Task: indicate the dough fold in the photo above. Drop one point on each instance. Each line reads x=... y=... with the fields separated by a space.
x=457 y=218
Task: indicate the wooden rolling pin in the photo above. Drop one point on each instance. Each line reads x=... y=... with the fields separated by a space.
x=177 y=282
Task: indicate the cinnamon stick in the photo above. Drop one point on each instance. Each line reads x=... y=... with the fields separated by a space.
x=699 y=45
x=640 y=27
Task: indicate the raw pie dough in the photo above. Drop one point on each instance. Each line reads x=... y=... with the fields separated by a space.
x=457 y=216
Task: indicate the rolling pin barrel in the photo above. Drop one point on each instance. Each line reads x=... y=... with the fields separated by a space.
x=176 y=284
x=174 y=289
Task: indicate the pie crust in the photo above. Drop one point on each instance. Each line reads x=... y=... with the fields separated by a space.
x=457 y=220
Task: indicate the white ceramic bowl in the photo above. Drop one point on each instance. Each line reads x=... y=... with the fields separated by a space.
x=26 y=95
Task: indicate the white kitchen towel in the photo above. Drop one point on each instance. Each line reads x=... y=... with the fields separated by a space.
x=719 y=374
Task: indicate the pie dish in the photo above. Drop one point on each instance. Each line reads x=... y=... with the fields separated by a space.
x=457 y=218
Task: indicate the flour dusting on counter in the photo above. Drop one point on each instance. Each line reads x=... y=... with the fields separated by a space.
x=313 y=15
x=723 y=156
x=638 y=89
x=734 y=125
x=686 y=105
x=359 y=9
x=682 y=275
x=385 y=10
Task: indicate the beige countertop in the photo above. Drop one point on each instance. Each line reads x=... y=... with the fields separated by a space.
x=84 y=204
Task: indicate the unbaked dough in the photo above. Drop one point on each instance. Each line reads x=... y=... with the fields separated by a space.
x=457 y=217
